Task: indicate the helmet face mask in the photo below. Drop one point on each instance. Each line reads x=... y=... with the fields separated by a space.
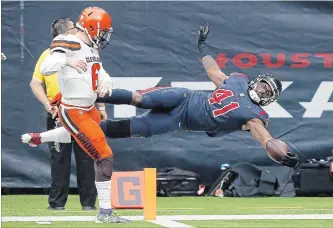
x=103 y=38
x=97 y=24
x=265 y=89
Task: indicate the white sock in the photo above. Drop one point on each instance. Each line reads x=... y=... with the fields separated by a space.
x=56 y=135
x=104 y=194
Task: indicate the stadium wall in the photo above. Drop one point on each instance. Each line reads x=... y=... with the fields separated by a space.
x=155 y=44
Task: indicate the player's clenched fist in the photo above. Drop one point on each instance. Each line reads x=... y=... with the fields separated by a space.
x=104 y=88
x=52 y=109
x=79 y=65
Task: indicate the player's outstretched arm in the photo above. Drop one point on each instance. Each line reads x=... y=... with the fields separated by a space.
x=212 y=68
x=277 y=150
x=258 y=131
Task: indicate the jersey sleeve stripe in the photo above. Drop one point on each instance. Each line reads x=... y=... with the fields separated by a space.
x=239 y=74
x=153 y=89
x=262 y=113
x=71 y=45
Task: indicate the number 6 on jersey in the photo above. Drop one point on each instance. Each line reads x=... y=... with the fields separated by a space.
x=95 y=68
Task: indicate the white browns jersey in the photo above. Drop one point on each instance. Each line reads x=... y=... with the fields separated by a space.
x=79 y=89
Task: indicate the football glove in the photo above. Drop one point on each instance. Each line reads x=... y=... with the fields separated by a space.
x=290 y=160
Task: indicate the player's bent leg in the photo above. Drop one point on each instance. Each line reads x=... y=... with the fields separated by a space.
x=103 y=170
x=152 y=123
x=162 y=97
x=85 y=131
x=145 y=125
x=116 y=128
x=56 y=135
x=84 y=127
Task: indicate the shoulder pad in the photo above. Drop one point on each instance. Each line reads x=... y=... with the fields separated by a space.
x=65 y=43
x=238 y=79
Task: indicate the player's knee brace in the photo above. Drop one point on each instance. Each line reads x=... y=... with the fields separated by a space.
x=103 y=169
x=116 y=129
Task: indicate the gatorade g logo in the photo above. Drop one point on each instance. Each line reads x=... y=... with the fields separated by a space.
x=127 y=189
x=130 y=194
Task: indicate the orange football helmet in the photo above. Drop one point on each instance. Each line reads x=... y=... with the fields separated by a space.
x=97 y=23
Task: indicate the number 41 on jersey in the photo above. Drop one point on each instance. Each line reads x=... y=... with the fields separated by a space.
x=217 y=97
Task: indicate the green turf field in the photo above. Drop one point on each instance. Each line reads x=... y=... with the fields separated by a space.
x=176 y=212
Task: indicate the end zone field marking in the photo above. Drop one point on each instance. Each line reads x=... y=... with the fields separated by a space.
x=171 y=217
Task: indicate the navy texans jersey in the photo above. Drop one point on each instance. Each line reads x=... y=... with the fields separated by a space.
x=224 y=110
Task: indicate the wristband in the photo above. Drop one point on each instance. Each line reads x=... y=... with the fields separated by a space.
x=47 y=105
x=203 y=49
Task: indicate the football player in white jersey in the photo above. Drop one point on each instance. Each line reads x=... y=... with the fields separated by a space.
x=81 y=77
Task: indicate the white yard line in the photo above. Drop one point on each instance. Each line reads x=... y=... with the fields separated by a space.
x=40 y=219
x=297 y=209
x=44 y=223
x=170 y=223
x=127 y=210
x=248 y=217
x=169 y=217
x=180 y=208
